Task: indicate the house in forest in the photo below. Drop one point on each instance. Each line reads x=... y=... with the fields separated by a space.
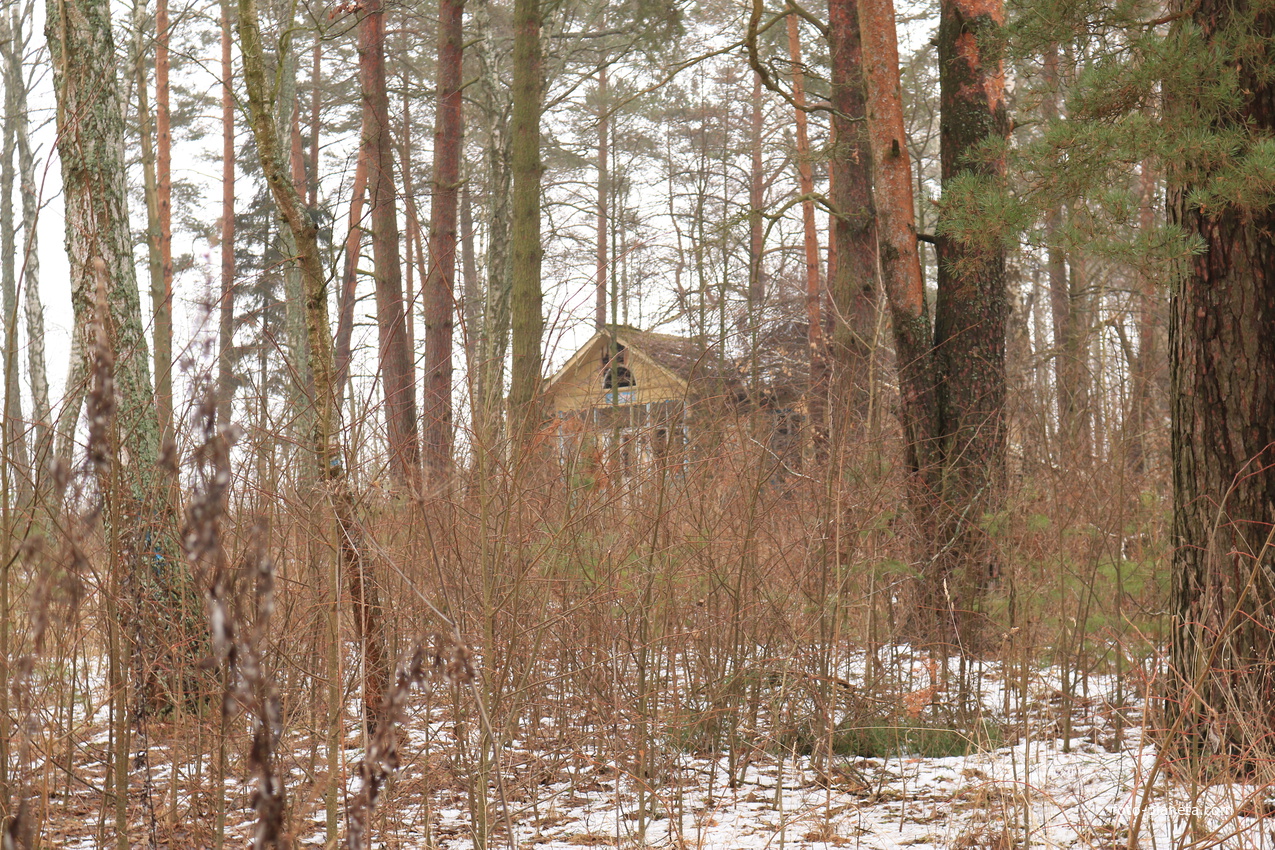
x=639 y=391
x=647 y=395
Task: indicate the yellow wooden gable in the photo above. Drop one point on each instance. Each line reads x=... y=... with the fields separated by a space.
x=582 y=382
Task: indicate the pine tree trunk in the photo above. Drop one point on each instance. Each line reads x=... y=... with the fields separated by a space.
x=817 y=395
x=756 y=200
x=36 y=368
x=1068 y=351
x=1150 y=349
x=1222 y=345
x=525 y=296
x=969 y=332
x=15 y=429
x=324 y=437
x=226 y=305
x=493 y=337
x=852 y=278
x=601 y=284
x=162 y=289
x=900 y=261
x=440 y=285
x=473 y=309
x=397 y=370
x=350 y=275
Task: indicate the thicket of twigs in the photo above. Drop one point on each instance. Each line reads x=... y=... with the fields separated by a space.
x=585 y=602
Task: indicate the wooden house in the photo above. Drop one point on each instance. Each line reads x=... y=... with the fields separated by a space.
x=638 y=391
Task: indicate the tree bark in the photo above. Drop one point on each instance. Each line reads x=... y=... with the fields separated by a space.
x=852 y=278
x=604 y=191
x=350 y=274
x=397 y=371
x=817 y=404
x=756 y=199
x=900 y=261
x=324 y=436
x=226 y=304
x=1069 y=354
x=440 y=285
x=30 y=279
x=90 y=125
x=162 y=289
x=493 y=336
x=525 y=297
x=1222 y=342
x=971 y=312
x=15 y=429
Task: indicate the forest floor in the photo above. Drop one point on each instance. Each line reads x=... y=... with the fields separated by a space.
x=1021 y=785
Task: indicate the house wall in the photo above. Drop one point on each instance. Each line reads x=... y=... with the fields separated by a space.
x=582 y=388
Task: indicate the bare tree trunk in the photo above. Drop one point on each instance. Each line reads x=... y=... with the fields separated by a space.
x=969 y=333
x=526 y=296
x=440 y=286
x=162 y=289
x=316 y=119
x=473 y=306
x=226 y=306
x=161 y=608
x=900 y=260
x=493 y=339
x=15 y=429
x=1150 y=356
x=817 y=395
x=30 y=279
x=852 y=278
x=756 y=200
x=350 y=274
x=397 y=369
x=368 y=619
x=1066 y=367
x=604 y=191
x=1222 y=341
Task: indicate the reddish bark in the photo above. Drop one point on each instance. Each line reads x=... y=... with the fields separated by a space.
x=350 y=274
x=396 y=362
x=852 y=278
x=817 y=404
x=440 y=285
x=970 y=320
x=900 y=261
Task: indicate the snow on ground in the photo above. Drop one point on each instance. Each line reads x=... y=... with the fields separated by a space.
x=1037 y=790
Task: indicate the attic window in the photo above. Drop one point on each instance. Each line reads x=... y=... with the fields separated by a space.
x=613 y=369
x=621 y=375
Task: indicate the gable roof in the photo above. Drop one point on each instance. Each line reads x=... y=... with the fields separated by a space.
x=684 y=359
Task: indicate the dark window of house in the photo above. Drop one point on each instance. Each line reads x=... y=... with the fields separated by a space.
x=621 y=375
x=615 y=370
